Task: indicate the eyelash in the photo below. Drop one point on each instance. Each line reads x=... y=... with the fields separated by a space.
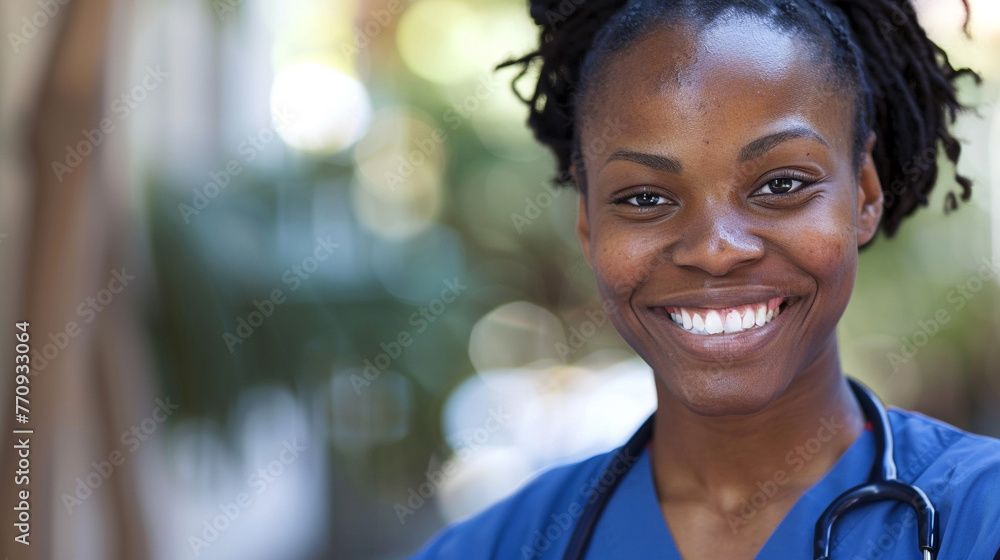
x=805 y=183
x=624 y=199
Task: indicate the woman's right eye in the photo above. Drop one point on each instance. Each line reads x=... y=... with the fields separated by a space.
x=646 y=199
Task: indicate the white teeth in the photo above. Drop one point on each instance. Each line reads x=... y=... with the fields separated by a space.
x=713 y=322
x=697 y=323
x=734 y=321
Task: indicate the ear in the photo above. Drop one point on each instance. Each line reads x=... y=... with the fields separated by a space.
x=582 y=220
x=870 y=198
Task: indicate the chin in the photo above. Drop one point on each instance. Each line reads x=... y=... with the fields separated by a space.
x=712 y=392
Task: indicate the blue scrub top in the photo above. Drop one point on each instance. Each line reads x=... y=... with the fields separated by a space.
x=960 y=472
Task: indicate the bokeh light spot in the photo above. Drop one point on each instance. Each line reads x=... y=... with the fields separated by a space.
x=317 y=108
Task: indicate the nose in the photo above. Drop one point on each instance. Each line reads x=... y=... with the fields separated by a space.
x=717 y=245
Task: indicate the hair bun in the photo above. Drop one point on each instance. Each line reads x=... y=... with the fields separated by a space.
x=540 y=8
x=549 y=13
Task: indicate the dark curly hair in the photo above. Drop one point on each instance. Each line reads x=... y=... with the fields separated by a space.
x=903 y=83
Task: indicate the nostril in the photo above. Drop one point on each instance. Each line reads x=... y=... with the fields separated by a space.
x=717 y=252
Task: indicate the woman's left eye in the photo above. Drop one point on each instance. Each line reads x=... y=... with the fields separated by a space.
x=781 y=185
x=646 y=199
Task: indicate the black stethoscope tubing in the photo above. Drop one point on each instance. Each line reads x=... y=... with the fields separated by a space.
x=882 y=485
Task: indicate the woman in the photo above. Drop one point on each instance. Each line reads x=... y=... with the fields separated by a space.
x=732 y=158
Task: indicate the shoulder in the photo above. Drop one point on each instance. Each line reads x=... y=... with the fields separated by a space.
x=534 y=520
x=959 y=471
x=924 y=443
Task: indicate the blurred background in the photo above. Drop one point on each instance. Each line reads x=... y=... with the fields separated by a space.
x=298 y=289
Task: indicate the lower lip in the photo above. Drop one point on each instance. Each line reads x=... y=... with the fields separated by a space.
x=729 y=346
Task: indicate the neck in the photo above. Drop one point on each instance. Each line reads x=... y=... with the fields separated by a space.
x=725 y=460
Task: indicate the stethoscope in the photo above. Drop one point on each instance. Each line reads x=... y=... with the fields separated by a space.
x=882 y=485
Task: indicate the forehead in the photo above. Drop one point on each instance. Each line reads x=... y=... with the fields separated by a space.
x=729 y=80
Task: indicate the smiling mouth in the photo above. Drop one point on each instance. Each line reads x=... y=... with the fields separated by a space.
x=729 y=320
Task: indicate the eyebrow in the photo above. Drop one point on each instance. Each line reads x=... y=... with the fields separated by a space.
x=764 y=144
x=751 y=151
x=659 y=163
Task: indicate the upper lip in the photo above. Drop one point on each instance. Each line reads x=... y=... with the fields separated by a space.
x=722 y=298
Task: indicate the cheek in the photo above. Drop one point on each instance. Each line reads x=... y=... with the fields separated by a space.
x=826 y=248
x=624 y=259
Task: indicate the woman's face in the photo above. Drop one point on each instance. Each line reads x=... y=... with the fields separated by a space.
x=723 y=211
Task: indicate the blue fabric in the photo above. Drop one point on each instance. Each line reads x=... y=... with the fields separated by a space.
x=960 y=472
